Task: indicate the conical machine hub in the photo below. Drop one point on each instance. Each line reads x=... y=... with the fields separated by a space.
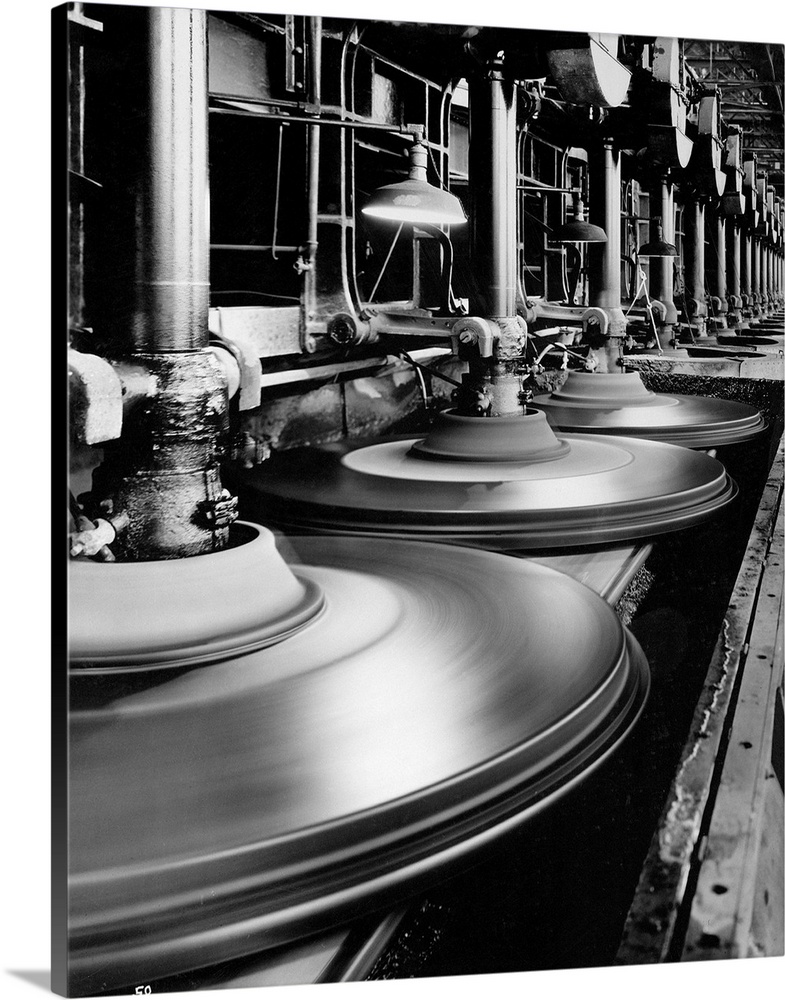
x=595 y=403
x=439 y=698
x=560 y=492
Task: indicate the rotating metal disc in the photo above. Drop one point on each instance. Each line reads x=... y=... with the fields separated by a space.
x=599 y=490
x=620 y=404
x=235 y=600
x=443 y=697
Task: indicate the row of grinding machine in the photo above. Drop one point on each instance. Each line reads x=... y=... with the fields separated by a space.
x=261 y=748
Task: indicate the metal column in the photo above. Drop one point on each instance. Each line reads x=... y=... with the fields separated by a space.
x=716 y=268
x=661 y=268
x=733 y=273
x=164 y=471
x=605 y=258
x=694 y=264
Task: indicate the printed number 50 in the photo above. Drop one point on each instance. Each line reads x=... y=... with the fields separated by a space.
x=143 y=989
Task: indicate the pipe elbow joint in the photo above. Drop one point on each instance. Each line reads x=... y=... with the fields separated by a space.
x=598 y=316
x=473 y=330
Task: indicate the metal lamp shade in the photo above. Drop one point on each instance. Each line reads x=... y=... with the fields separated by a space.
x=580 y=232
x=415 y=201
x=658 y=247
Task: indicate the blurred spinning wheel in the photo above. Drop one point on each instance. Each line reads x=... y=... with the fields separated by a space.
x=503 y=483
x=592 y=403
x=426 y=700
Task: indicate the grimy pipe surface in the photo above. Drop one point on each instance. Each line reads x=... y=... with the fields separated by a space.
x=164 y=471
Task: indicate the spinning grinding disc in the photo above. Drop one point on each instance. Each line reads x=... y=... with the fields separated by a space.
x=440 y=698
x=533 y=490
x=621 y=404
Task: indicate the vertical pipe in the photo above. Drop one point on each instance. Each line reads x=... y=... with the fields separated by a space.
x=164 y=472
x=694 y=263
x=494 y=236
x=755 y=289
x=314 y=159
x=716 y=268
x=661 y=268
x=605 y=258
x=733 y=260
x=172 y=287
x=746 y=271
x=492 y=163
x=772 y=280
x=76 y=162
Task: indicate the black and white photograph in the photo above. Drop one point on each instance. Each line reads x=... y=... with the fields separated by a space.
x=422 y=423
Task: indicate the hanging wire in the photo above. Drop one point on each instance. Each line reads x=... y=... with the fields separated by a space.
x=277 y=191
x=386 y=261
x=418 y=367
x=644 y=287
x=683 y=290
x=433 y=163
x=248 y=291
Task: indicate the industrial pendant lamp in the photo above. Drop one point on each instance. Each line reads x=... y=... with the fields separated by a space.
x=415 y=200
x=579 y=231
x=658 y=247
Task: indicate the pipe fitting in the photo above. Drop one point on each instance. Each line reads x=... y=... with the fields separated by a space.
x=478 y=332
x=596 y=315
x=242 y=366
x=95 y=398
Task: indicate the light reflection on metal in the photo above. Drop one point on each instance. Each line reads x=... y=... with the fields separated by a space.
x=621 y=404
x=541 y=495
x=410 y=723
